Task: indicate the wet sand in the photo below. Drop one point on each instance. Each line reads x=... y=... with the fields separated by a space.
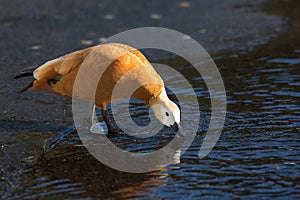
x=33 y=32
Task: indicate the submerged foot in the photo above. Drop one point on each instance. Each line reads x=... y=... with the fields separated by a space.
x=114 y=131
x=101 y=128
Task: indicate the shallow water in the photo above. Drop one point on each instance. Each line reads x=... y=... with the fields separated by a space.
x=257 y=155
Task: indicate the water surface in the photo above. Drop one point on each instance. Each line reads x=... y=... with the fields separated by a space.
x=257 y=155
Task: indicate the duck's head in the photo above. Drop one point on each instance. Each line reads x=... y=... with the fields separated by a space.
x=166 y=111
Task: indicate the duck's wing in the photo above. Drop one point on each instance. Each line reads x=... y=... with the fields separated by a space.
x=62 y=65
x=52 y=71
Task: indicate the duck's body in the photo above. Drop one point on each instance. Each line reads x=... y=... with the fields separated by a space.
x=118 y=62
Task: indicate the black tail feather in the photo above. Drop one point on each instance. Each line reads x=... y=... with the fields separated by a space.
x=23 y=75
x=26 y=88
x=26 y=72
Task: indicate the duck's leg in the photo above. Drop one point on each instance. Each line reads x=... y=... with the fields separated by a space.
x=105 y=117
x=94 y=115
x=97 y=127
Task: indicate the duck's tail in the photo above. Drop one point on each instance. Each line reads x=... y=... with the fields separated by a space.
x=26 y=72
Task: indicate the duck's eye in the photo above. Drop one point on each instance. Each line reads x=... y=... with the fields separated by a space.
x=167 y=114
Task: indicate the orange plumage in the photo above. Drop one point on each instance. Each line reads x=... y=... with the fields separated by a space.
x=118 y=62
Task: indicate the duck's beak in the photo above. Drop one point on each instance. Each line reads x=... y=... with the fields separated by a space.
x=176 y=127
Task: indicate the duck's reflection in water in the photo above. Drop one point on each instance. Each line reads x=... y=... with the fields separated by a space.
x=69 y=170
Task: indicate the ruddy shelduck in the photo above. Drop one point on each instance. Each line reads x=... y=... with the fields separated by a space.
x=58 y=76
